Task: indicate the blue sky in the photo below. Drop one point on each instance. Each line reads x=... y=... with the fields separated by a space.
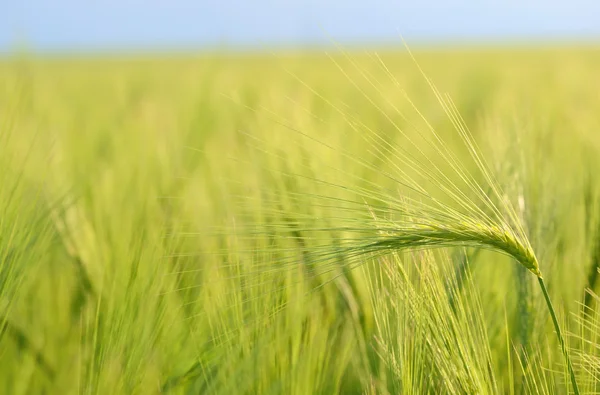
x=89 y=25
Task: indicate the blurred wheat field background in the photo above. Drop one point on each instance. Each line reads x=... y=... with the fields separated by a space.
x=180 y=225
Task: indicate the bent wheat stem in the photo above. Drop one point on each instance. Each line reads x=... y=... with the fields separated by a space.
x=559 y=335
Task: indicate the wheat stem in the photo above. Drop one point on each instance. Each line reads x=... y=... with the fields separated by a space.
x=559 y=335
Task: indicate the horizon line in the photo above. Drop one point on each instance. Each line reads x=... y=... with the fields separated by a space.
x=447 y=43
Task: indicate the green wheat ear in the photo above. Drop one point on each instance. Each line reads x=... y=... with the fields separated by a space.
x=468 y=215
x=444 y=200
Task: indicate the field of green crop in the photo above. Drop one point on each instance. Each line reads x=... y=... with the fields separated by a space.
x=312 y=223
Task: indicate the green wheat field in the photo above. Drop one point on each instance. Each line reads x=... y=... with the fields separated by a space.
x=349 y=222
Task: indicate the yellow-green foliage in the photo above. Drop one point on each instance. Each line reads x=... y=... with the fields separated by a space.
x=240 y=223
